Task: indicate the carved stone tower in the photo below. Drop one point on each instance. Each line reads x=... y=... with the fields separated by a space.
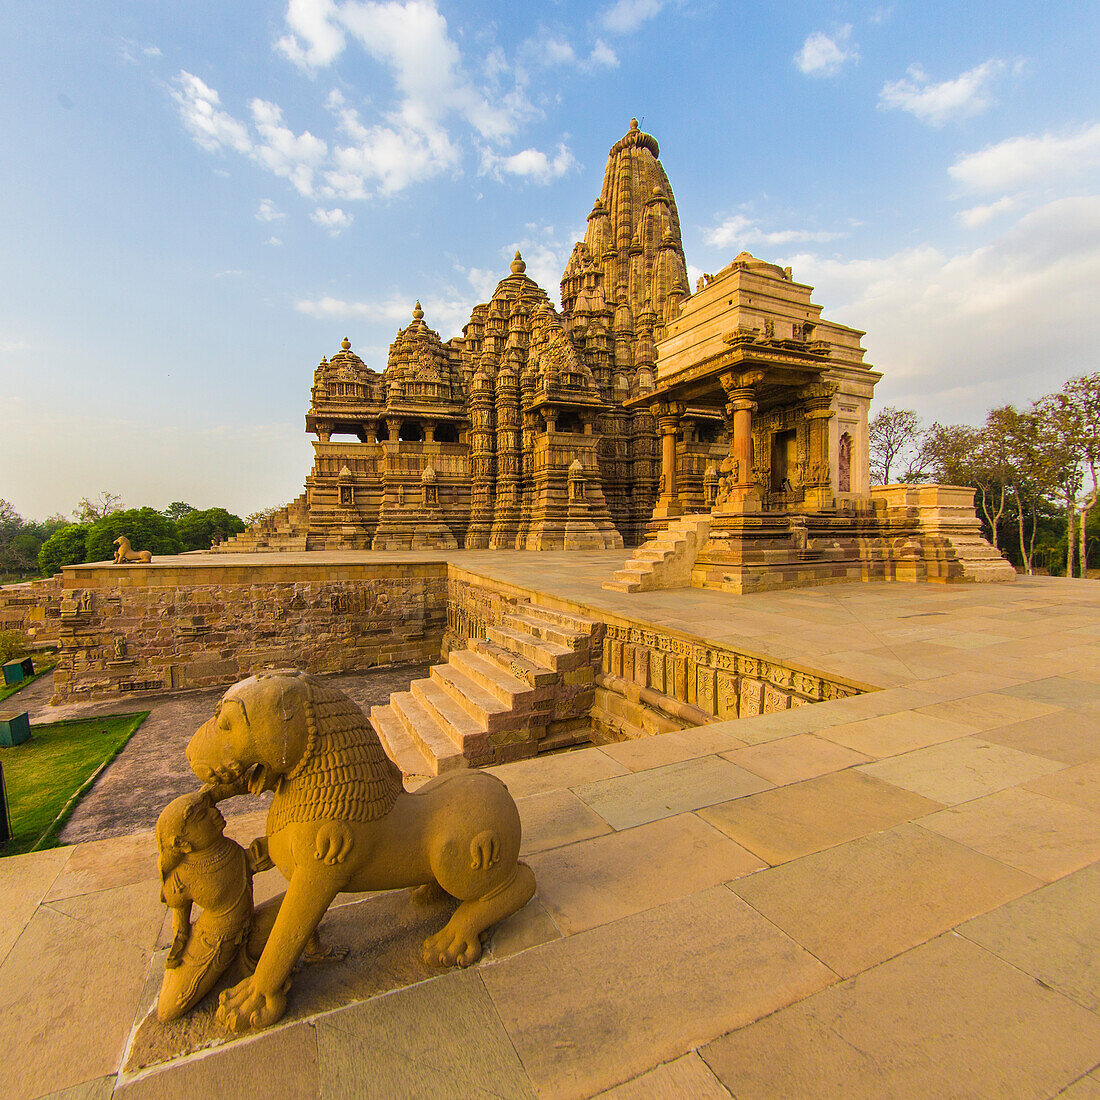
x=622 y=286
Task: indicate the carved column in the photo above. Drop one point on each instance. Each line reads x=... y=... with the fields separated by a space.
x=667 y=415
x=817 y=480
x=482 y=460
x=738 y=491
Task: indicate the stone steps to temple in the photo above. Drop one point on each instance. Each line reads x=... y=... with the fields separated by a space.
x=499 y=682
x=476 y=702
x=525 y=644
x=463 y=728
x=399 y=745
x=427 y=733
x=493 y=700
x=534 y=674
x=569 y=637
x=666 y=562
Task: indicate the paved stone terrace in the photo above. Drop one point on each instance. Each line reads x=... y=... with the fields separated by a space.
x=892 y=895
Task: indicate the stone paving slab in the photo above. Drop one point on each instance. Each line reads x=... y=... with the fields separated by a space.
x=929 y=928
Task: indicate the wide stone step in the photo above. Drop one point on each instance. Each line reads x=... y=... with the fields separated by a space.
x=550 y=632
x=535 y=674
x=399 y=745
x=558 y=657
x=430 y=737
x=562 y=618
x=485 y=709
x=622 y=586
x=460 y=726
x=498 y=681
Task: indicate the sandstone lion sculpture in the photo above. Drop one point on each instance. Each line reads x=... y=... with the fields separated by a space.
x=125 y=553
x=340 y=820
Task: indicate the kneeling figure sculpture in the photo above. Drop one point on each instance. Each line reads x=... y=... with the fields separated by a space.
x=340 y=820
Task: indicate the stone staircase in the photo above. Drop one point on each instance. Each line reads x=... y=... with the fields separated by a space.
x=282 y=530
x=528 y=685
x=665 y=562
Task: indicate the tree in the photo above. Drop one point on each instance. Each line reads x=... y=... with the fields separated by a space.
x=178 y=509
x=64 y=547
x=1081 y=397
x=1061 y=430
x=196 y=529
x=89 y=511
x=895 y=437
x=146 y=528
x=258 y=517
x=20 y=541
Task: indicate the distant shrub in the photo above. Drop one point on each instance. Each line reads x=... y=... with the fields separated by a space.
x=146 y=528
x=12 y=644
x=65 y=546
x=196 y=529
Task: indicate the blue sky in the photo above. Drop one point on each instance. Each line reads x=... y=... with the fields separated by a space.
x=200 y=200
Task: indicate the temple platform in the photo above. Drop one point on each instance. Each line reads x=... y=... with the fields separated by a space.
x=894 y=894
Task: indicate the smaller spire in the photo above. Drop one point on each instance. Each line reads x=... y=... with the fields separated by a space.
x=345 y=344
x=518 y=266
x=418 y=313
x=634 y=124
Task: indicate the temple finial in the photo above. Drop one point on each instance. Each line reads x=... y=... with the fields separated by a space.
x=345 y=344
x=634 y=124
x=518 y=266
x=418 y=313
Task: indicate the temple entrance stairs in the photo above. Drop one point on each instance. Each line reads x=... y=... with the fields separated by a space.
x=282 y=530
x=526 y=687
x=665 y=562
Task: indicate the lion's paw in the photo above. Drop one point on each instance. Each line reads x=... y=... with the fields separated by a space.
x=452 y=948
x=244 y=1006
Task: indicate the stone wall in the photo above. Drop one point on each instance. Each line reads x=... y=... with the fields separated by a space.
x=33 y=608
x=121 y=632
x=652 y=683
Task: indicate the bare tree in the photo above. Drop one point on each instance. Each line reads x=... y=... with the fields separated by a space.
x=88 y=511
x=895 y=434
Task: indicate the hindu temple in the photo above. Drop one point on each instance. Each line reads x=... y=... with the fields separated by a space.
x=723 y=430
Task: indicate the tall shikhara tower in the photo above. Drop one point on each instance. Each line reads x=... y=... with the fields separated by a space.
x=623 y=284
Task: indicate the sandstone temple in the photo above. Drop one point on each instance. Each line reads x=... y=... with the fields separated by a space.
x=728 y=426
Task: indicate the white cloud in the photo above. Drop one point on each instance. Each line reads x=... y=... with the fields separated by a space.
x=968 y=94
x=292 y=156
x=200 y=109
x=446 y=313
x=1023 y=160
x=7 y=346
x=822 y=55
x=316 y=38
x=269 y=212
x=739 y=230
x=958 y=333
x=334 y=221
x=132 y=51
x=274 y=241
x=980 y=215
x=603 y=55
x=529 y=164
x=626 y=16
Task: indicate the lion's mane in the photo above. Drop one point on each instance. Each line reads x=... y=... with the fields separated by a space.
x=344 y=773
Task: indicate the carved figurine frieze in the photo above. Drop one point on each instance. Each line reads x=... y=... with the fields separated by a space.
x=125 y=553
x=340 y=820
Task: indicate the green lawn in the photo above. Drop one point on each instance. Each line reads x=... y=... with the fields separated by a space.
x=7 y=690
x=47 y=775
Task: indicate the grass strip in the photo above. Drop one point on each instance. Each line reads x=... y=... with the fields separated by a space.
x=48 y=775
x=8 y=690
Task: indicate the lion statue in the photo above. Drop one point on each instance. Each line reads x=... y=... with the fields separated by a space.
x=125 y=552
x=341 y=820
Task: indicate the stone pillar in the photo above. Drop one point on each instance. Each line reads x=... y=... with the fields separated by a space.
x=667 y=415
x=738 y=491
x=817 y=480
x=429 y=431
